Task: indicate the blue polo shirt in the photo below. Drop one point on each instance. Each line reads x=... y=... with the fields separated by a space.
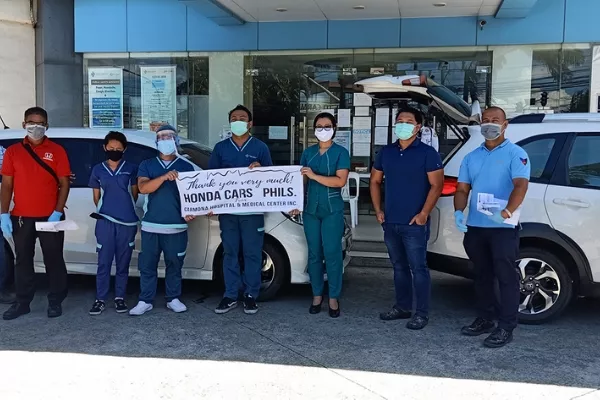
x=227 y=154
x=327 y=164
x=162 y=208
x=116 y=199
x=492 y=172
x=406 y=181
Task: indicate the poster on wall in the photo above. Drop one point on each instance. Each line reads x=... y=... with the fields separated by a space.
x=105 y=87
x=159 y=96
x=343 y=139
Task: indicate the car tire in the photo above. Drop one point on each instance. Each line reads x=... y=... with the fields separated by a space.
x=557 y=277
x=272 y=251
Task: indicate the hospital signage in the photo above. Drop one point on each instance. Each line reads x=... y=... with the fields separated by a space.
x=241 y=190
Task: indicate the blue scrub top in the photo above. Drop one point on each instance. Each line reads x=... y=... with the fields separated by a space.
x=492 y=172
x=116 y=199
x=406 y=181
x=162 y=208
x=227 y=154
x=327 y=164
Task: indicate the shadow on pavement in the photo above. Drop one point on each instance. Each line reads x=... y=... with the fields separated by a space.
x=565 y=352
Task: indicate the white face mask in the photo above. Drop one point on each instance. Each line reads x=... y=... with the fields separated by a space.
x=325 y=134
x=35 y=132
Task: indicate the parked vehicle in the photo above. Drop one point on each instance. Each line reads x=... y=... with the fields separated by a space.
x=284 y=251
x=560 y=237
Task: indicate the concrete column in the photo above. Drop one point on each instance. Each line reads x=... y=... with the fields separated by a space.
x=59 y=70
x=511 y=78
x=17 y=61
x=225 y=90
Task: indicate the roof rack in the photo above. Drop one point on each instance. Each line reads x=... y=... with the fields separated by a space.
x=562 y=117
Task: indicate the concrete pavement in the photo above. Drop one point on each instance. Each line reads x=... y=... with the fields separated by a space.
x=285 y=353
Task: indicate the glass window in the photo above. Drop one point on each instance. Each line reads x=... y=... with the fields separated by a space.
x=197 y=154
x=584 y=162
x=576 y=69
x=136 y=153
x=539 y=153
x=83 y=155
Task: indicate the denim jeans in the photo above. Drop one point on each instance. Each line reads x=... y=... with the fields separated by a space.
x=407 y=247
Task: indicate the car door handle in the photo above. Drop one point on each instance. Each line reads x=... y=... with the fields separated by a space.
x=571 y=203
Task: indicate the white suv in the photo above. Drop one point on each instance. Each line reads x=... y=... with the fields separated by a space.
x=560 y=237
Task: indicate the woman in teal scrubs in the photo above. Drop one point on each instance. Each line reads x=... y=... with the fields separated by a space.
x=326 y=166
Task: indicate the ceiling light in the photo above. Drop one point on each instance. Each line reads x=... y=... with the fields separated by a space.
x=359 y=7
x=439 y=4
x=281 y=9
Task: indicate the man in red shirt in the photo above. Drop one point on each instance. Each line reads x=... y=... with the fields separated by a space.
x=35 y=175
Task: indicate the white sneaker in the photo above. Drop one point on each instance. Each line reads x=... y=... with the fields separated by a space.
x=141 y=308
x=176 y=306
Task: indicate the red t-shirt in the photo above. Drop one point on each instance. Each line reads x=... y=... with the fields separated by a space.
x=35 y=191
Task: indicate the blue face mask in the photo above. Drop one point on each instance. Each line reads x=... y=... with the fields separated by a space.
x=238 y=128
x=403 y=130
x=166 y=147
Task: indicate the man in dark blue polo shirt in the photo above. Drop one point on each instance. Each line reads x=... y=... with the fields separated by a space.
x=414 y=178
x=241 y=230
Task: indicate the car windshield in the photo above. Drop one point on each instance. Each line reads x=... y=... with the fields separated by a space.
x=448 y=97
x=196 y=153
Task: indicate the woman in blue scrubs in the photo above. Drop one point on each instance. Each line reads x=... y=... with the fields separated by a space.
x=114 y=184
x=326 y=166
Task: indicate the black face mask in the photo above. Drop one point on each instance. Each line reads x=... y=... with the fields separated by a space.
x=114 y=155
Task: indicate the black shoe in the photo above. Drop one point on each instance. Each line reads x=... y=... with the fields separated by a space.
x=7 y=297
x=96 y=309
x=226 y=305
x=395 y=313
x=15 y=311
x=121 y=306
x=499 y=338
x=250 y=306
x=478 y=327
x=417 y=322
x=315 y=309
x=54 y=310
x=334 y=313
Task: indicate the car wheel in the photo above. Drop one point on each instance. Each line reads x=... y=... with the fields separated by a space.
x=274 y=272
x=546 y=286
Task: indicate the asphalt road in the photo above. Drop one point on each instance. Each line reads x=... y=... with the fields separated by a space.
x=284 y=353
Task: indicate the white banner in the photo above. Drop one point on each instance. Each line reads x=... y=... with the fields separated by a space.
x=159 y=96
x=105 y=95
x=241 y=190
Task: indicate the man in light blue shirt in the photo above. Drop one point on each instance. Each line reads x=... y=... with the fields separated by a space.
x=499 y=168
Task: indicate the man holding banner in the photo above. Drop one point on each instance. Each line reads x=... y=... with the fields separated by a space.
x=240 y=151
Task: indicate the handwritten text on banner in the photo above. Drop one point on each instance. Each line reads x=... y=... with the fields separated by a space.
x=241 y=190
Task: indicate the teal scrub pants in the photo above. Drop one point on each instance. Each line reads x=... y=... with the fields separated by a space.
x=324 y=231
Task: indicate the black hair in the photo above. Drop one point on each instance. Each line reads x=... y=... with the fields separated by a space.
x=496 y=108
x=240 y=107
x=36 y=111
x=416 y=113
x=327 y=115
x=118 y=136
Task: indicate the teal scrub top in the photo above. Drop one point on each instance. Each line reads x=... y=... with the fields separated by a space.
x=326 y=164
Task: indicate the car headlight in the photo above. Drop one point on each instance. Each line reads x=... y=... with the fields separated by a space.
x=297 y=219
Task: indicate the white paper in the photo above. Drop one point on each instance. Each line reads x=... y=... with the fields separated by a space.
x=361 y=136
x=11 y=243
x=278 y=132
x=487 y=204
x=57 y=226
x=361 y=149
x=361 y=100
x=343 y=139
x=362 y=111
x=382 y=117
x=344 y=118
x=158 y=96
x=361 y=123
x=381 y=135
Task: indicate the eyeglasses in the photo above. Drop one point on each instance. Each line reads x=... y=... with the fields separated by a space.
x=319 y=128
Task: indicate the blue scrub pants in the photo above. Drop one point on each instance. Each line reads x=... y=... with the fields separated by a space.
x=249 y=232
x=173 y=246
x=324 y=231
x=114 y=242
